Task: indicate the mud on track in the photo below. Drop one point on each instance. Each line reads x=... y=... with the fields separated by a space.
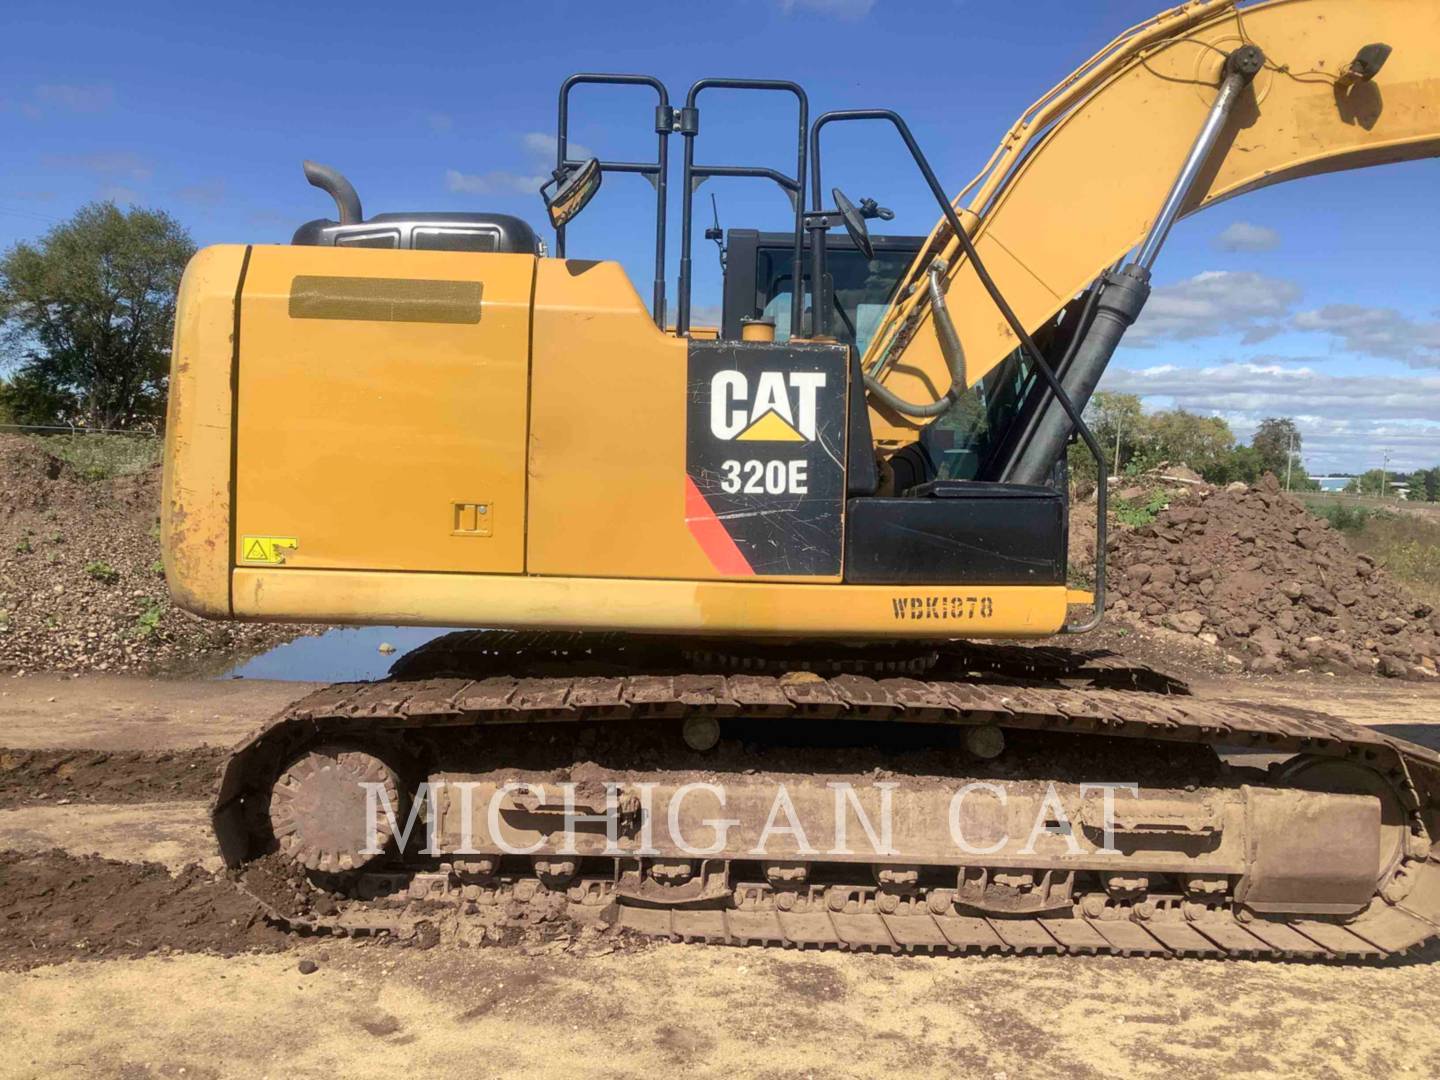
x=31 y=777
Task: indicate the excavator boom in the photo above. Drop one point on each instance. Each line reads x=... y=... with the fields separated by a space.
x=1079 y=179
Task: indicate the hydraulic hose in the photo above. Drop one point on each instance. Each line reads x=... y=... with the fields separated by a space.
x=949 y=348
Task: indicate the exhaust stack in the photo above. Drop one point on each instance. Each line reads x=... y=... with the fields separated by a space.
x=330 y=181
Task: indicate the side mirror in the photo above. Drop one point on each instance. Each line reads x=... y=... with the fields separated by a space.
x=854 y=223
x=569 y=190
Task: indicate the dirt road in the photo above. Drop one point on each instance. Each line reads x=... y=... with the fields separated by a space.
x=373 y=1009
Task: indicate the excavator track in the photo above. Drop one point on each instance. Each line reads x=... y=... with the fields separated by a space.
x=1023 y=691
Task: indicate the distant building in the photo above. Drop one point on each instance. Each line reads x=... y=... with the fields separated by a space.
x=1335 y=485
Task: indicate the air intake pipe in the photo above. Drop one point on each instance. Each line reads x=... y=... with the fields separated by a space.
x=328 y=180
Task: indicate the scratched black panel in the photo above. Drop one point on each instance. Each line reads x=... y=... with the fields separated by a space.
x=997 y=534
x=765 y=446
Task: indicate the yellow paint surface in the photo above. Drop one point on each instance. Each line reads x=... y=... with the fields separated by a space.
x=361 y=435
x=195 y=504
x=710 y=607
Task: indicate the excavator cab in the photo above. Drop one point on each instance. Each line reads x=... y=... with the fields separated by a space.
x=499 y=425
x=759 y=277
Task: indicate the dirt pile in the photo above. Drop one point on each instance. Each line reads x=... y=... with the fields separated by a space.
x=1252 y=571
x=81 y=587
x=29 y=777
x=56 y=907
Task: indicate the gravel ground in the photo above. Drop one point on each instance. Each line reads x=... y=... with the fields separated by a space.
x=81 y=587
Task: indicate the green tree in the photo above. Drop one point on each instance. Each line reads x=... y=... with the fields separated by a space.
x=1120 y=427
x=1431 y=484
x=1370 y=482
x=86 y=318
x=1274 y=440
x=1118 y=420
x=1300 y=479
x=1201 y=442
x=1242 y=463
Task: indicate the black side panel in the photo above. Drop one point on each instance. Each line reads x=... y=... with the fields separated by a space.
x=739 y=299
x=862 y=474
x=765 y=456
x=1011 y=537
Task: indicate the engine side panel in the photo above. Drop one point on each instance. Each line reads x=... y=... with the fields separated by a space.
x=363 y=399
x=381 y=410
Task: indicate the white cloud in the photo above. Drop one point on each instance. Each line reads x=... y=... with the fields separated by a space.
x=706 y=315
x=1278 y=358
x=207 y=193
x=541 y=145
x=538 y=147
x=1376 y=331
x=119 y=194
x=840 y=9
x=49 y=98
x=1216 y=302
x=70 y=97
x=1343 y=419
x=1243 y=236
x=110 y=163
x=495 y=182
x=1356 y=445
x=1269 y=388
x=1257 y=307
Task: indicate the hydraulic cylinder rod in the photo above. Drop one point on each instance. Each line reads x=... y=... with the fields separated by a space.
x=1041 y=436
x=1241 y=66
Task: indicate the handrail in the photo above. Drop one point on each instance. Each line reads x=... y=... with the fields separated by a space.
x=1008 y=313
x=794 y=187
x=657 y=171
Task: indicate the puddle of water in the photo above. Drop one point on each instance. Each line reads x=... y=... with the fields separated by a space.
x=344 y=654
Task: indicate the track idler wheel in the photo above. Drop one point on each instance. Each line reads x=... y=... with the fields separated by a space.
x=322 y=812
x=1335 y=775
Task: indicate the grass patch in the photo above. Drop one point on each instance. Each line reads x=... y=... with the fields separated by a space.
x=102 y=572
x=1347 y=519
x=1408 y=547
x=148 y=620
x=99 y=457
x=1134 y=512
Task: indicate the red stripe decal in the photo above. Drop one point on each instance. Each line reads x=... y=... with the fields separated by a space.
x=711 y=535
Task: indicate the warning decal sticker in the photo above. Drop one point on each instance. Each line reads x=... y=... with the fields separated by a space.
x=266 y=549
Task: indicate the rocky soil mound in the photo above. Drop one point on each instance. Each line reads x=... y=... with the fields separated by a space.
x=81 y=587
x=1252 y=571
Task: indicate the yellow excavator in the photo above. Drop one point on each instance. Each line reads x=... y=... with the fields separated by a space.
x=725 y=581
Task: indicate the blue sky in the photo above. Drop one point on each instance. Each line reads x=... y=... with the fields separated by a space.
x=1315 y=299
